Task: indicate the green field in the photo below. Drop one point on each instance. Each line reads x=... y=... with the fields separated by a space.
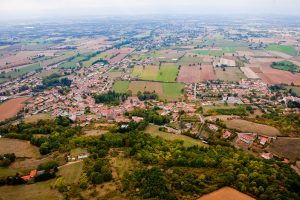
x=172 y=90
x=99 y=56
x=74 y=62
x=286 y=66
x=282 y=48
x=22 y=71
x=5 y=172
x=71 y=172
x=165 y=73
x=121 y=86
x=2 y=80
x=295 y=89
x=188 y=141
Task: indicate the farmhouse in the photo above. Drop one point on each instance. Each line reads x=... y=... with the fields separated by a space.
x=248 y=138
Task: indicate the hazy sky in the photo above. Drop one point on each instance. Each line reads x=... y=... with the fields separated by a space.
x=70 y=8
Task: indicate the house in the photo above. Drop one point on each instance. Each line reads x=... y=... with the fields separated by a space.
x=266 y=156
x=226 y=134
x=32 y=174
x=213 y=127
x=248 y=138
x=263 y=140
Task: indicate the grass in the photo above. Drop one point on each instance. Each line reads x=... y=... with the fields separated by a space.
x=172 y=90
x=99 y=56
x=286 y=66
x=37 y=191
x=5 y=172
x=295 y=89
x=24 y=148
x=225 y=110
x=3 y=80
x=282 y=48
x=37 y=117
x=187 y=141
x=71 y=172
x=22 y=71
x=121 y=86
x=165 y=73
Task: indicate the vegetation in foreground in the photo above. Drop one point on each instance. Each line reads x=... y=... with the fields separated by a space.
x=167 y=170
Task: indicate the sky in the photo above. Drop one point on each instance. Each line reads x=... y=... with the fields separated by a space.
x=26 y=9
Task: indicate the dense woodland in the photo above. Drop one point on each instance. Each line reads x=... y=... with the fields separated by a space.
x=167 y=170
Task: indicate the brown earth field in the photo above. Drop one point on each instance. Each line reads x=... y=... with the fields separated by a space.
x=11 y=107
x=189 y=74
x=275 y=76
x=286 y=147
x=122 y=53
x=207 y=73
x=226 y=193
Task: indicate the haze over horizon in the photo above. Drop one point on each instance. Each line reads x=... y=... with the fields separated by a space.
x=34 y=9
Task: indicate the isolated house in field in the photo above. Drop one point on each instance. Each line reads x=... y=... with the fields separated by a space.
x=225 y=62
x=32 y=174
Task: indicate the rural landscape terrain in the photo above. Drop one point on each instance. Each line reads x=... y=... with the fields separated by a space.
x=123 y=108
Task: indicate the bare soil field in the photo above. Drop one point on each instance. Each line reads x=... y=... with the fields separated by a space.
x=275 y=76
x=20 y=147
x=208 y=59
x=189 y=74
x=93 y=44
x=286 y=147
x=207 y=73
x=20 y=58
x=226 y=193
x=11 y=107
x=120 y=55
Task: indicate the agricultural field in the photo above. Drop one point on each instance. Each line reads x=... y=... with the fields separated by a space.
x=99 y=56
x=37 y=191
x=71 y=171
x=190 y=59
x=189 y=74
x=25 y=149
x=282 y=48
x=121 y=86
x=251 y=127
x=295 y=89
x=216 y=53
x=37 y=117
x=225 y=110
x=286 y=66
x=14 y=73
x=231 y=74
x=188 y=141
x=10 y=108
x=227 y=193
x=276 y=76
x=165 y=73
x=168 y=91
x=286 y=147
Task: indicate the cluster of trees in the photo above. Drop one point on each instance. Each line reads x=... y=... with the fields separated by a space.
x=111 y=98
x=285 y=123
x=98 y=171
x=147 y=96
x=57 y=133
x=149 y=116
x=286 y=65
x=219 y=166
x=293 y=104
x=239 y=111
x=7 y=159
x=52 y=81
